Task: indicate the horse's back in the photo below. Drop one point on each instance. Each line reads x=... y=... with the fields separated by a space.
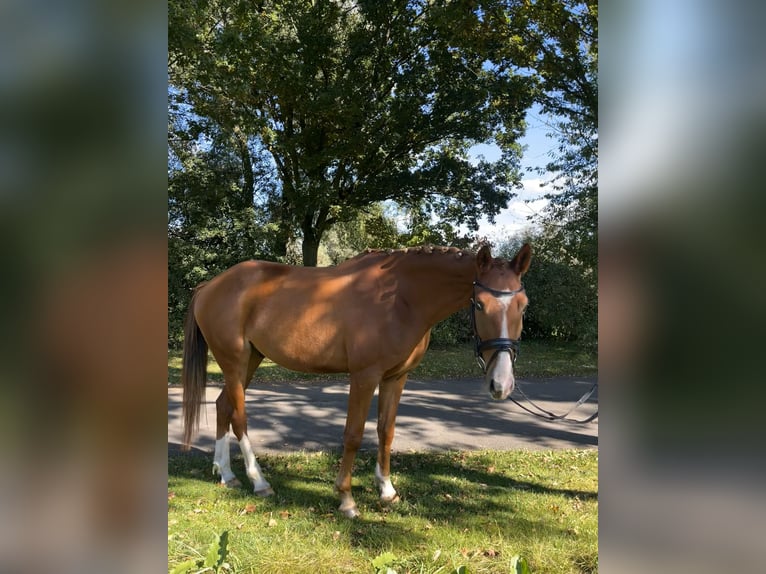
x=326 y=319
x=287 y=313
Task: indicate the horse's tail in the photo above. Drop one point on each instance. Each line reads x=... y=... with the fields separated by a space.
x=193 y=372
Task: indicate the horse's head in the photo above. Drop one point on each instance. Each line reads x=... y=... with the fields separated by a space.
x=497 y=311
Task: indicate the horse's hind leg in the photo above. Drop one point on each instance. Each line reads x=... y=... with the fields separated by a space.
x=236 y=376
x=224 y=410
x=221 y=460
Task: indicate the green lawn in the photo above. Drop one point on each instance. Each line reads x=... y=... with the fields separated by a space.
x=476 y=510
x=537 y=359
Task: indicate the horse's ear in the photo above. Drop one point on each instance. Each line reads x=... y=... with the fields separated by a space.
x=521 y=262
x=483 y=258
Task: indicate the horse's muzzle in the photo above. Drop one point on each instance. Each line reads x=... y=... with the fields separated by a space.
x=498 y=391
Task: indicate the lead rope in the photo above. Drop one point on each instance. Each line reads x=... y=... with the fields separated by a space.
x=547 y=415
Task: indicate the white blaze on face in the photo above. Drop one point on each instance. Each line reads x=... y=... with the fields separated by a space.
x=501 y=370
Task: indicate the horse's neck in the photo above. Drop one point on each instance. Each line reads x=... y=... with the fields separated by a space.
x=438 y=284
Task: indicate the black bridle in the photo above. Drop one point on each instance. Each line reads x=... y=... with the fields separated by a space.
x=512 y=347
x=499 y=345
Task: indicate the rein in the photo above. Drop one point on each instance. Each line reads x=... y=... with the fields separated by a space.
x=499 y=345
x=549 y=416
x=513 y=347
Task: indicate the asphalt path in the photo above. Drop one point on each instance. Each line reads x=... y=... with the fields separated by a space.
x=433 y=415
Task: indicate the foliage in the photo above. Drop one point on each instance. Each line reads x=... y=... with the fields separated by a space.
x=213 y=222
x=214 y=561
x=383 y=563
x=570 y=78
x=372 y=228
x=563 y=293
x=356 y=103
x=475 y=510
x=560 y=38
x=538 y=358
x=292 y=125
x=519 y=565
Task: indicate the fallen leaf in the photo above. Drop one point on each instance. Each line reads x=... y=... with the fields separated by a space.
x=171 y=495
x=272 y=522
x=336 y=535
x=491 y=552
x=436 y=555
x=284 y=514
x=490 y=469
x=248 y=509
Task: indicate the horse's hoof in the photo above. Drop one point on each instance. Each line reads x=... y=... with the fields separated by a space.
x=233 y=483
x=265 y=492
x=390 y=499
x=352 y=512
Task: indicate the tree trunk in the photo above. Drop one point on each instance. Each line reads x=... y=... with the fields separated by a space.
x=310 y=250
x=313 y=227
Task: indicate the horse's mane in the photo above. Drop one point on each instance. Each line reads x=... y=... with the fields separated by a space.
x=422 y=249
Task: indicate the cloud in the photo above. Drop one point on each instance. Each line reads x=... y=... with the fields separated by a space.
x=520 y=212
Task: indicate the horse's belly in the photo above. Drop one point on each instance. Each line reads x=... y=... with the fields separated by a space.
x=299 y=350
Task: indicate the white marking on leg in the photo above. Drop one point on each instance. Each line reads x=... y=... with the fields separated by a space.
x=221 y=462
x=252 y=467
x=387 y=490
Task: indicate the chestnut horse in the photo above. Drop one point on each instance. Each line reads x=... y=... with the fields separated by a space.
x=370 y=316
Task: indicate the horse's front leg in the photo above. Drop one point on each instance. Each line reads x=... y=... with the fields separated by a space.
x=388 y=403
x=359 y=399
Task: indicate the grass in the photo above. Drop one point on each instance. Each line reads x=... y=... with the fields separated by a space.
x=537 y=359
x=475 y=509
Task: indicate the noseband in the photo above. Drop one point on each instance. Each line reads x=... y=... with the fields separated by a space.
x=500 y=345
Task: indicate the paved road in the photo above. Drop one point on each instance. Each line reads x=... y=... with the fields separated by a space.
x=433 y=415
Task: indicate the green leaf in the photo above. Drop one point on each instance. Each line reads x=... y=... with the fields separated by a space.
x=461 y=570
x=217 y=551
x=382 y=561
x=519 y=565
x=184 y=567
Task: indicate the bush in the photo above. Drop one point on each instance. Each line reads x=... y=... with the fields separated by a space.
x=563 y=293
x=454 y=330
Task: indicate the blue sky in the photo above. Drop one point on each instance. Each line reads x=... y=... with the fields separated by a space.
x=529 y=200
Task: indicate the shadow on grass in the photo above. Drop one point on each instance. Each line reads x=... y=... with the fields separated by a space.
x=445 y=489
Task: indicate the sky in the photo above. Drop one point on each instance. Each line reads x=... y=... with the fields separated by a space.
x=529 y=200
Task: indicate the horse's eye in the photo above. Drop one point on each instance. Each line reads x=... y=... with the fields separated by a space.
x=478 y=305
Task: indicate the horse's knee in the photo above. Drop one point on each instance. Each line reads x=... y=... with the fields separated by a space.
x=352 y=441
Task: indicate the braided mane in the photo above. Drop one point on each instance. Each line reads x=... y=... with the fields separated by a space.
x=423 y=249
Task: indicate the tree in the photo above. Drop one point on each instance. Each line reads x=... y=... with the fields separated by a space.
x=557 y=42
x=356 y=102
x=213 y=221
x=559 y=39
x=561 y=301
